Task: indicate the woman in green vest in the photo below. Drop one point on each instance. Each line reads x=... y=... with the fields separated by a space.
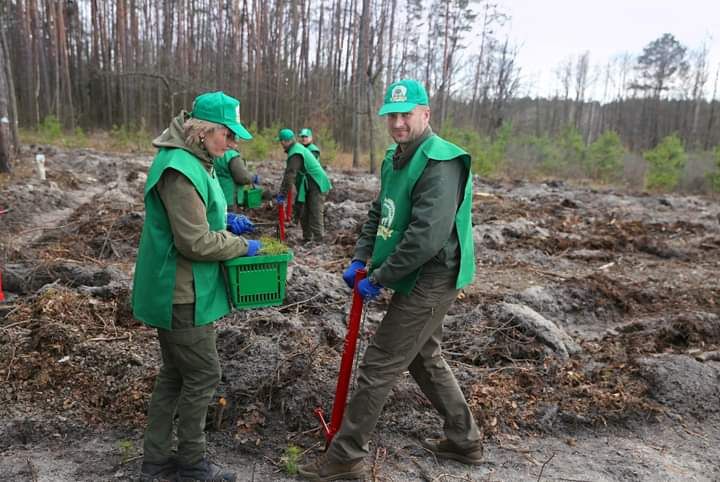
x=178 y=286
x=233 y=175
x=417 y=241
x=306 y=139
x=311 y=182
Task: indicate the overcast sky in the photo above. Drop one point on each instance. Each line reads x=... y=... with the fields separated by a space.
x=549 y=31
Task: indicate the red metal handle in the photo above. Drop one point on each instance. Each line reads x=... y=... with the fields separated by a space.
x=346 y=363
x=289 y=206
x=281 y=221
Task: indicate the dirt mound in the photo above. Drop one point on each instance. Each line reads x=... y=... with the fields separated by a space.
x=682 y=384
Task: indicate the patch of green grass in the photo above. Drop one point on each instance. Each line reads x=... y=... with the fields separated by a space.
x=120 y=139
x=290 y=459
x=127 y=450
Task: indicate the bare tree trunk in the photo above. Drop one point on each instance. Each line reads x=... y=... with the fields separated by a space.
x=389 y=78
x=25 y=66
x=711 y=116
x=5 y=95
x=11 y=111
x=360 y=77
x=65 y=61
x=55 y=49
x=35 y=83
x=478 y=69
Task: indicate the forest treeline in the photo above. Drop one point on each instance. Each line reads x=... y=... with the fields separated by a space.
x=95 y=64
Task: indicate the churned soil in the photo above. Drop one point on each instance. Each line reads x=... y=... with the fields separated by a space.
x=588 y=345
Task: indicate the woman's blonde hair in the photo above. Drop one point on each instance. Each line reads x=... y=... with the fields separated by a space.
x=196 y=129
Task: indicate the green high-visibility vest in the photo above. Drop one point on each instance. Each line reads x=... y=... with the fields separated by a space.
x=154 y=280
x=227 y=183
x=314 y=149
x=312 y=168
x=395 y=196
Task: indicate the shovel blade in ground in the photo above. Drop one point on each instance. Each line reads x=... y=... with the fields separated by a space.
x=346 y=363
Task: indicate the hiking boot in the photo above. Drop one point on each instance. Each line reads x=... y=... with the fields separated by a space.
x=444 y=448
x=205 y=471
x=166 y=472
x=323 y=470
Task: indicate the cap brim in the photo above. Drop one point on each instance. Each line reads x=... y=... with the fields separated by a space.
x=240 y=131
x=396 y=107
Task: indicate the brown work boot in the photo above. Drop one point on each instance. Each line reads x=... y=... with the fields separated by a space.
x=444 y=448
x=323 y=470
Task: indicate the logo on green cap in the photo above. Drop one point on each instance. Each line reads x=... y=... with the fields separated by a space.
x=403 y=96
x=399 y=94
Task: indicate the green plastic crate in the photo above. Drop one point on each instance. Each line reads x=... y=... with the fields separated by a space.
x=249 y=197
x=257 y=281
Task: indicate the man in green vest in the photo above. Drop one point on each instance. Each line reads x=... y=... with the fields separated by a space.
x=233 y=175
x=418 y=241
x=304 y=172
x=306 y=139
x=179 y=287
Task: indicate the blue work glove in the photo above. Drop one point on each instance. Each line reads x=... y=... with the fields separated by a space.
x=256 y=179
x=369 y=290
x=349 y=273
x=280 y=199
x=253 y=246
x=239 y=224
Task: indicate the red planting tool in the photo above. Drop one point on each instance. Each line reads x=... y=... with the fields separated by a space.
x=281 y=221
x=289 y=206
x=343 y=382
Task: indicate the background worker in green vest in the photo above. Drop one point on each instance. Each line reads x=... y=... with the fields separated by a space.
x=233 y=174
x=418 y=241
x=306 y=139
x=179 y=287
x=304 y=172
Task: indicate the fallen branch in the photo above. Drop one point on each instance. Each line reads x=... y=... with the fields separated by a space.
x=380 y=455
x=17 y=323
x=450 y=476
x=131 y=459
x=544 y=464
x=12 y=360
x=312 y=446
x=33 y=470
x=550 y=273
x=293 y=435
x=282 y=308
x=112 y=338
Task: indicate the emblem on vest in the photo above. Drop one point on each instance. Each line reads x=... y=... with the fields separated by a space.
x=388 y=214
x=399 y=94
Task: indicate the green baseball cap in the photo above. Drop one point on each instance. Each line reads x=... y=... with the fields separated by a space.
x=285 y=135
x=403 y=96
x=221 y=109
x=305 y=132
